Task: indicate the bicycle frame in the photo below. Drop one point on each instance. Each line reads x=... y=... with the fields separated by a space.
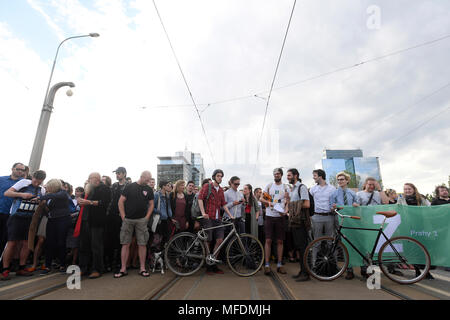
x=229 y=236
x=339 y=234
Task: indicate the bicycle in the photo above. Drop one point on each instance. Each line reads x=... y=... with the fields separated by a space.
x=401 y=259
x=186 y=252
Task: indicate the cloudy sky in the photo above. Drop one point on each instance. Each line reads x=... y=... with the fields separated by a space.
x=130 y=103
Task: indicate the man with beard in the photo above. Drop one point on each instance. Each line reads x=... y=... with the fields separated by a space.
x=299 y=219
x=275 y=198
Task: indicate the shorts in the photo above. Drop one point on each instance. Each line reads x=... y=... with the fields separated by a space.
x=18 y=228
x=217 y=233
x=42 y=229
x=275 y=228
x=134 y=225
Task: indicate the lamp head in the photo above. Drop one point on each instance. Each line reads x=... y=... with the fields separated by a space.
x=94 y=35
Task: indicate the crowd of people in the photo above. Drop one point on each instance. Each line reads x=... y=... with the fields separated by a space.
x=114 y=227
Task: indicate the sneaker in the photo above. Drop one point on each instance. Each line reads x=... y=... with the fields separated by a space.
x=62 y=269
x=429 y=276
x=303 y=277
x=45 y=272
x=5 y=275
x=349 y=275
x=281 y=270
x=217 y=270
x=266 y=270
x=23 y=273
x=30 y=269
x=364 y=274
x=43 y=267
x=298 y=275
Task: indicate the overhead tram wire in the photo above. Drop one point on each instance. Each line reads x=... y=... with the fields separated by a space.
x=185 y=82
x=421 y=124
x=388 y=117
x=321 y=75
x=271 y=87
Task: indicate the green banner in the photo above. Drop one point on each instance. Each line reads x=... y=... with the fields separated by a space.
x=428 y=225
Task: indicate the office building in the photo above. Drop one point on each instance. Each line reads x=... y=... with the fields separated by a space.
x=185 y=165
x=354 y=163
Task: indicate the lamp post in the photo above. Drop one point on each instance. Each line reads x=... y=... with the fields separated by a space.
x=39 y=140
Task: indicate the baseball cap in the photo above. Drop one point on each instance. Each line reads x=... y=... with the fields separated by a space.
x=120 y=170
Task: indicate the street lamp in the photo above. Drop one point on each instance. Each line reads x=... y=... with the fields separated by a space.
x=39 y=140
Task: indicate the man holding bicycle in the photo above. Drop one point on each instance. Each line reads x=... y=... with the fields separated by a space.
x=210 y=200
x=343 y=196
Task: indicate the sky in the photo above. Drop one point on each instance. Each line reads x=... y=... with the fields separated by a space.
x=130 y=104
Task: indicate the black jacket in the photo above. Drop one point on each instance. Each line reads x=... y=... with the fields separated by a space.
x=187 y=211
x=97 y=214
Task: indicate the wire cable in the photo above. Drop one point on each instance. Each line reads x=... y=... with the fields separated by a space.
x=421 y=124
x=271 y=86
x=384 y=120
x=185 y=82
x=328 y=73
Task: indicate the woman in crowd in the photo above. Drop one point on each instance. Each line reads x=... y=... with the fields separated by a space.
x=59 y=220
x=251 y=211
x=179 y=205
x=392 y=195
x=412 y=197
x=73 y=243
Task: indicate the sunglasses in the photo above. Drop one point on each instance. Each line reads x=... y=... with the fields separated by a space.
x=237 y=184
x=23 y=170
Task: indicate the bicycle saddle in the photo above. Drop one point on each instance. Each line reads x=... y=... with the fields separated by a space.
x=387 y=214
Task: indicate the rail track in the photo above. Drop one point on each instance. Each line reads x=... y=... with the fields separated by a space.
x=172 y=287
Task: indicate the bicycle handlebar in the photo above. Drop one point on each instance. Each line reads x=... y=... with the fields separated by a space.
x=345 y=216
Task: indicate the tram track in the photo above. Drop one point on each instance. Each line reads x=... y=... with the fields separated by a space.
x=199 y=286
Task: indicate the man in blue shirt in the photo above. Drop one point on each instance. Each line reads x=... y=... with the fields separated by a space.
x=343 y=196
x=6 y=182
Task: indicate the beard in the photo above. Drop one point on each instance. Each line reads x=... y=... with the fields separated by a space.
x=277 y=180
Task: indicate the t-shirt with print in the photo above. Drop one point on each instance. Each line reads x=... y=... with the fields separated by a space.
x=24 y=207
x=277 y=194
x=138 y=196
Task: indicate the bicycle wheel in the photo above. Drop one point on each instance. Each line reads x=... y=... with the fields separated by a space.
x=404 y=260
x=325 y=261
x=246 y=260
x=184 y=254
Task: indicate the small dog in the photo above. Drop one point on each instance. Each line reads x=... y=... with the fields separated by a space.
x=158 y=259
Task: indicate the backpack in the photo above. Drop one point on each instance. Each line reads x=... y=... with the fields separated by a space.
x=311 y=201
x=195 y=209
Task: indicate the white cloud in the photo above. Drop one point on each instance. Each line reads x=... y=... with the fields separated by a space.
x=229 y=49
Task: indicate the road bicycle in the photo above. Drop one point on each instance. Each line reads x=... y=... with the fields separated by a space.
x=402 y=259
x=186 y=252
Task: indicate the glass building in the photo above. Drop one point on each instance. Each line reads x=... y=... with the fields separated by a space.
x=354 y=163
x=185 y=165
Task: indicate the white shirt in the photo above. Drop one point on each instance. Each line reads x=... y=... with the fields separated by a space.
x=230 y=197
x=277 y=193
x=321 y=197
